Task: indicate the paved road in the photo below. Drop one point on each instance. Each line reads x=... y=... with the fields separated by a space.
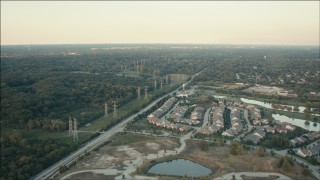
x=252 y=174
x=52 y=170
x=206 y=118
x=245 y=115
x=164 y=117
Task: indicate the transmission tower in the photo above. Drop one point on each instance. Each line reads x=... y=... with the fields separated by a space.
x=114 y=109
x=106 y=109
x=146 y=92
x=138 y=92
x=70 y=126
x=75 y=131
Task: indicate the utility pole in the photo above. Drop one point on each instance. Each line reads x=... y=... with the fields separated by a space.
x=114 y=109
x=70 y=126
x=145 y=92
x=75 y=131
x=141 y=68
x=138 y=92
x=171 y=80
x=106 y=109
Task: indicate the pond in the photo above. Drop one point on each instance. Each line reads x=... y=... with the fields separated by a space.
x=297 y=122
x=269 y=106
x=180 y=167
x=219 y=97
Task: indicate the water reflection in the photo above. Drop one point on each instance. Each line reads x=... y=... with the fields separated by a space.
x=297 y=122
x=180 y=167
x=269 y=106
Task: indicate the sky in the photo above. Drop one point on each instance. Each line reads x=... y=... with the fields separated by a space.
x=192 y=22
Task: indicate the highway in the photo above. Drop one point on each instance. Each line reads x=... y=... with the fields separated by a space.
x=52 y=170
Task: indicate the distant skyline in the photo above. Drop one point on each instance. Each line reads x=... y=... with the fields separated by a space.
x=165 y=22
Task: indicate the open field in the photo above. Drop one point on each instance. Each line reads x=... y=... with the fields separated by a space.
x=244 y=177
x=91 y=176
x=113 y=158
x=232 y=86
x=126 y=139
x=221 y=162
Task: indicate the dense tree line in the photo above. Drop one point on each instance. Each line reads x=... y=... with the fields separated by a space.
x=38 y=86
x=22 y=158
x=226 y=118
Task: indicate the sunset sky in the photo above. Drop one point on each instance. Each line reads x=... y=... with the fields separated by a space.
x=205 y=22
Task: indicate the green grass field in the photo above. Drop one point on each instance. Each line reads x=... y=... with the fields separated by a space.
x=122 y=112
x=130 y=138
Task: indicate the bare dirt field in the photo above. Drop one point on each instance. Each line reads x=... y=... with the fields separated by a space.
x=91 y=176
x=112 y=159
x=131 y=151
x=258 y=178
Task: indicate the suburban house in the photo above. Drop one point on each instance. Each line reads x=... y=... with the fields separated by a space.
x=270 y=130
x=264 y=121
x=298 y=141
x=154 y=118
x=312 y=151
x=281 y=130
x=236 y=124
x=256 y=136
x=313 y=135
x=216 y=121
x=256 y=122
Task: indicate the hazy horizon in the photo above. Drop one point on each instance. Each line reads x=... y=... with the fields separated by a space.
x=187 y=44
x=209 y=23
